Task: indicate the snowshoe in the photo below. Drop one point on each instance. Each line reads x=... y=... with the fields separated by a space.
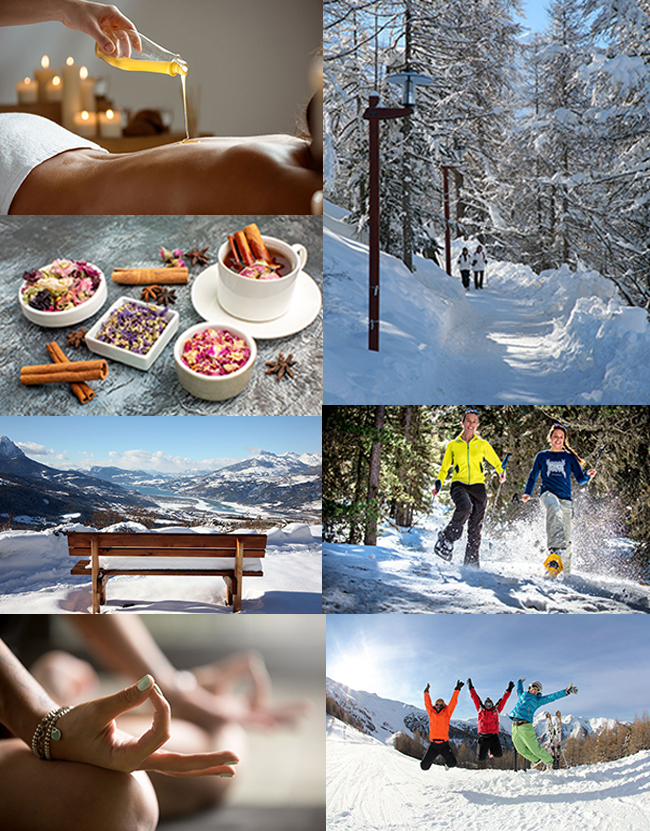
x=553 y=564
x=443 y=547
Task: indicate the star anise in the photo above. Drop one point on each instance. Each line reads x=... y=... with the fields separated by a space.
x=165 y=297
x=76 y=338
x=281 y=366
x=198 y=256
x=150 y=293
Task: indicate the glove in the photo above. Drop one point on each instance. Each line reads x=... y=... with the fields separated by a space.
x=469 y=684
x=459 y=685
x=511 y=686
x=436 y=487
x=522 y=680
x=427 y=688
x=571 y=689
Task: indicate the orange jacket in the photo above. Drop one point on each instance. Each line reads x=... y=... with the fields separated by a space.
x=439 y=721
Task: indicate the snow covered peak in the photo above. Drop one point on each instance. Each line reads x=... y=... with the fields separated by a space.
x=9 y=449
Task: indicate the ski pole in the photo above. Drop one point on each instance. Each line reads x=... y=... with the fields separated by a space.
x=496 y=498
x=604 y=449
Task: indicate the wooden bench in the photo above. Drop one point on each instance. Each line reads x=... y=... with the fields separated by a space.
x=96 y=547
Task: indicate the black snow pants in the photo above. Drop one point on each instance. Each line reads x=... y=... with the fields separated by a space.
x=470 y=502
x=436 y=749
x=464 y=276
x=488 y=743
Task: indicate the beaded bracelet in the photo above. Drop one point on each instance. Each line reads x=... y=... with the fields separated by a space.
x=46 y=732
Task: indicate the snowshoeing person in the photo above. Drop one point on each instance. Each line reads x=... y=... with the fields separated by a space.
x=523 y=732
x=556 y=466
x=465 y=456
x=488 y=722
x=439 y=718
x=479 y=261
x=464 y=266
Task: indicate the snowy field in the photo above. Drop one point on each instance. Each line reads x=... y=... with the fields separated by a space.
x=35 y=575
x=372 y=786
x=402 y=574
x=525 y=338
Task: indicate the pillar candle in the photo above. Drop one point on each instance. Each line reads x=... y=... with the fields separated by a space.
x=27 y=91
x=43 y=75
x=88 y=101
x=110 y=124
x=54 y=89
x=85 y=124
x=71 y=103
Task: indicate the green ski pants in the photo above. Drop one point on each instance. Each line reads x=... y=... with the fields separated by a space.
x=525 y=742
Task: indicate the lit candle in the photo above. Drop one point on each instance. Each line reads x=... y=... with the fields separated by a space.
x=54 y=89
x=110 y=124
x=88 y=101
x=27 y=91
x=71 y=103
x=85 y=124
x=43 y=76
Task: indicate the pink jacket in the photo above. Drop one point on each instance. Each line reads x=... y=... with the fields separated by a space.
x=488 y=720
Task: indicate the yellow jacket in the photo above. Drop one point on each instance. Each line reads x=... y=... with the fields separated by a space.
x=466 y=460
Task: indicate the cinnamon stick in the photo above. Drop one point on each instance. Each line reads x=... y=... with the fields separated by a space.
x=83 y=392
x=254 y=237
x=150 y=276
x=233 y=248
x=73 y=371
x=244 y=249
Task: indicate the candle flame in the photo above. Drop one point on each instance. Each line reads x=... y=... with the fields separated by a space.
x=28 y=81
x=83 y=73
x=110 y=114
x=56 y=81
x=84 y=115
x=69 y=61
x=45 y=62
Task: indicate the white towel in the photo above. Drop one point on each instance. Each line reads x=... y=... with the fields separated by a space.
x=25 y=142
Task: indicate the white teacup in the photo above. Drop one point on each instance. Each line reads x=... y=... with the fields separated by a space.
x=258 y=300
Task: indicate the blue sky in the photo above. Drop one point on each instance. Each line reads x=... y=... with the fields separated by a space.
x=535 y=14
x=164 y=444
x=606 y=656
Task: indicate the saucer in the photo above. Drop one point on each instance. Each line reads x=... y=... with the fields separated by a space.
x=304 y=309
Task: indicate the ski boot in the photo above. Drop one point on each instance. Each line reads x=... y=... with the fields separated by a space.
x=553 y=564
x=443 y=547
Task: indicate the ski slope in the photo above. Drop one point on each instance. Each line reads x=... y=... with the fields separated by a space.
x=372 y=787
x=525 y=338
x=403 y=575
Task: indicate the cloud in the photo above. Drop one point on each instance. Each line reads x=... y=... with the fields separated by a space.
x=254 y=450
x=161 y=462
x=30 y=448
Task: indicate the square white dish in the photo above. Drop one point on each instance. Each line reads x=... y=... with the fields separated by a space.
x=116 y=353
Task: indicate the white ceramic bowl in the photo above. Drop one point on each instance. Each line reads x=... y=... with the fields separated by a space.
x=70 y=316
x=116 y=353
x=214 y=387
x=257 y=300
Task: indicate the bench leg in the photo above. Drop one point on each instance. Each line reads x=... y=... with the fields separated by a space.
x=229 y=590
x=103 y=580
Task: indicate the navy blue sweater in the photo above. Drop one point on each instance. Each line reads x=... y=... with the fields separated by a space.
x=555 y=470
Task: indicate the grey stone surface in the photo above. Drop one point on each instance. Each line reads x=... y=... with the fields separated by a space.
x=28 y=242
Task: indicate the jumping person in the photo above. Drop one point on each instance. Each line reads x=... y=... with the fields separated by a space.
x=479 y=261
x=523 y=733
x=464 y=267
x=488 y=722
x=556 y=466
x=439 y=718
x=465 y=455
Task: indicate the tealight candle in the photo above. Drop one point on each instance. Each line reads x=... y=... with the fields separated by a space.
x=54 y=89
x=110 y=124
x=88 y=101
x=27 y=91
x=43 y=76
x=85 y=124
x=71 y=104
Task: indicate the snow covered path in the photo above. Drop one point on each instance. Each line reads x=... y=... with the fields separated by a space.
x=403 y=575
x=372 y=787
x=525 y=338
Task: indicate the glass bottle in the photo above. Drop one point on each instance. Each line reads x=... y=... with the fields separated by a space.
x=152 y=58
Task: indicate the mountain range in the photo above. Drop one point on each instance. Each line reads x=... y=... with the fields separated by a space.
x=277 y=483
x=382 y=718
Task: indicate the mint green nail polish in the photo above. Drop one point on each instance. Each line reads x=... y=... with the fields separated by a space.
x=144 y=683
x=227 y=775
x=157 y=688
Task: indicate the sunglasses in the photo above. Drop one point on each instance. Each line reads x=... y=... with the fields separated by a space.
x=470 y=410
x=559 y=426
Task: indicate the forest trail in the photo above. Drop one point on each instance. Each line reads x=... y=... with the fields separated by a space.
x=525 y=338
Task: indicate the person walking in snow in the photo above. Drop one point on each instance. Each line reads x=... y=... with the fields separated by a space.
x=488 y=722
x=465 y=456
x=439 y=718
x=464 y=265
x=479 y=261
x=523 y=732
x=556 y=466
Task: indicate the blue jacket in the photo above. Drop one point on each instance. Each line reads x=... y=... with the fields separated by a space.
x=528 y=703
x=555 y=470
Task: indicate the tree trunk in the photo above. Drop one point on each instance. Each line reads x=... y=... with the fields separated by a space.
x=373 y=480
x=403 y=511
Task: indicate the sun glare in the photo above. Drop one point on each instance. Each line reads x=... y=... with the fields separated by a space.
x=357 y=668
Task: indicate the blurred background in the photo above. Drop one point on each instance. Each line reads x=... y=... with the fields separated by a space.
x=249 y=61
